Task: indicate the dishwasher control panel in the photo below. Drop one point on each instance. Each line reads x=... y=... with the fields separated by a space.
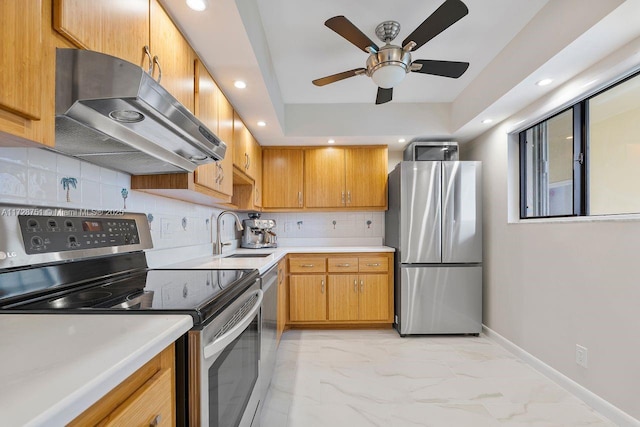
x=45 y=234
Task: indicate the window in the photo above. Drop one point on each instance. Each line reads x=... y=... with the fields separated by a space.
x=586 y=159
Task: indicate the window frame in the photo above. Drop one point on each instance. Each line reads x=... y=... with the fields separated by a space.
x=581 y=146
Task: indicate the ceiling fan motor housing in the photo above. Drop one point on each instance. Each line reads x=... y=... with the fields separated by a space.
x=389 y=55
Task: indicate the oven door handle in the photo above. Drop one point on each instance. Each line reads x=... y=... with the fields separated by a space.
x=227 y=338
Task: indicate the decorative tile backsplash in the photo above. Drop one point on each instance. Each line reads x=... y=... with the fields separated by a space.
x=40 y=177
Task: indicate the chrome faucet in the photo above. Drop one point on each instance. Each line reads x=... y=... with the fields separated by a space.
x=219 y=244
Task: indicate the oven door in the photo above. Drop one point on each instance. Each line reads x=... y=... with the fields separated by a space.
x=229 y=353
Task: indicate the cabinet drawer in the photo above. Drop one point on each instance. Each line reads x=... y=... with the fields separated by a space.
x=308 y=265
x=149 y=405
x=342 y=265
x=373 y=264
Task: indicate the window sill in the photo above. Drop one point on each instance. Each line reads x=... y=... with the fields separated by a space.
x=594 y=218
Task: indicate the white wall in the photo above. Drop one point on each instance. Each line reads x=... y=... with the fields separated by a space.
x=549 y=285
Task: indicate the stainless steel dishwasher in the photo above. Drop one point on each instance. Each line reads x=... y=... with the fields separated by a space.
x=268 y=337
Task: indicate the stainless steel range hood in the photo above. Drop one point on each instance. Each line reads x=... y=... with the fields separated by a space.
x=112 y=113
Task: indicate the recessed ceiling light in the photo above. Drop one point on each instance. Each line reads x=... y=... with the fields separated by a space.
x=331 y=141
x=240 y=84
x=485 y=121
x=544 y=82
x=198 y=5
x=262 y=123
x=401 y=140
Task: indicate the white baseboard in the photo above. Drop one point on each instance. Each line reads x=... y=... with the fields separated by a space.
x=605 y=408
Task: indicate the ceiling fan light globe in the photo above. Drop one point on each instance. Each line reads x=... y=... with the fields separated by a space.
x=388 y=76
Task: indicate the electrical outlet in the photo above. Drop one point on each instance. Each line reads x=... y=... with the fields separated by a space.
x=581 y=355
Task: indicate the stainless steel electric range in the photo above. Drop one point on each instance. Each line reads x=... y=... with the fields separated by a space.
x=55 y=260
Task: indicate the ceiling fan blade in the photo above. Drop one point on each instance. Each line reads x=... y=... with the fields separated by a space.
x=449 y=12
x=384 y=95
x=451 y=69
x=346 y=29
x=337 y=77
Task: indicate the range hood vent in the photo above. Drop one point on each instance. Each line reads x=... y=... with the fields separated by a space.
x=110 y=112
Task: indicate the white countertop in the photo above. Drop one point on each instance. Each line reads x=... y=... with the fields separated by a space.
x=262 y=264
x=53 y=367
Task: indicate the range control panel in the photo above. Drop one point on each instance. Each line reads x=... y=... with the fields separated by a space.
x=44 y=234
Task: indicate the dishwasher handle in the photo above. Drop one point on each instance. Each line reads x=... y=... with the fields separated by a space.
x=220 y=343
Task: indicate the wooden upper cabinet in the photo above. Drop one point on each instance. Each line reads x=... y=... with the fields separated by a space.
x=366 y=177
x=207 y=95
x=115 y=27
x=324 y=178
x=175 y=56
x=241 y=144
x=21 y=58
x=282 y=175
x=255 y=171
x=225 y=133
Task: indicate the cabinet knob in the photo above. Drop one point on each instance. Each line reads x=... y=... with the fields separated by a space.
x=156 y=421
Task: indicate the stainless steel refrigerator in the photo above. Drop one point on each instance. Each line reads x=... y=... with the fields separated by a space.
x=434 y=222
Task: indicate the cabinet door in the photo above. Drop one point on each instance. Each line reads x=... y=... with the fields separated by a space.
x=282 y=297
x=282 y=174
x=307 y=298
x=366 y=177
x=225 y=133
x=343 y=296
x=374 y=297
x=255 y=171
x=206 y=109
x=175 y=56
x=324 y=178
x=240 y=142
x=21 y=58
x=115 y=27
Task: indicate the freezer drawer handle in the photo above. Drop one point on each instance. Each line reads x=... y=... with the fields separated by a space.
x=221 y=342
x=343 y=265
x=377 y=264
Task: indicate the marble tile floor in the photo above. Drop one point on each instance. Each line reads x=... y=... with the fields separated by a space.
x=362 y=378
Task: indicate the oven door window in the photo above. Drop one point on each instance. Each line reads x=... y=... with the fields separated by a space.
x=232 y=378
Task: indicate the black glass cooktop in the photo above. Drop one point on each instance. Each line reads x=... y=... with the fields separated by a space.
x=200 y=293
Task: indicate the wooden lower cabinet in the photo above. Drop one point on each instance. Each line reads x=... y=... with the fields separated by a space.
x=307 y=298
x=281 y=320
x=358 y=291
x=146 y=398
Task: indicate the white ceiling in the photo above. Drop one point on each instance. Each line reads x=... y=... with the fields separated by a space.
x=279 y=46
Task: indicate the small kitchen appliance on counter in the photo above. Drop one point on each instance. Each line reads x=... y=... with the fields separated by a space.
x=258 y=233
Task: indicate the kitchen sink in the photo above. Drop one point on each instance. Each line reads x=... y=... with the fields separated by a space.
x=248 y=255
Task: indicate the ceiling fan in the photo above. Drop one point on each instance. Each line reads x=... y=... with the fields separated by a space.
x=387 y=65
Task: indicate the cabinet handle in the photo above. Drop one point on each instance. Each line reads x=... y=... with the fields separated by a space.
x=221 y=174
x=156 y=421
x=348 y=196
x=343 y=265
x=355 y=286
x=217 y=173
x=257 y=195
x=246 y=161
x=377 y=264
x=148 y=53
x=157 y=62
x=300 y=198
x=361 y=285
x=342 y=198
x=306 y=265
x=322 y=288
